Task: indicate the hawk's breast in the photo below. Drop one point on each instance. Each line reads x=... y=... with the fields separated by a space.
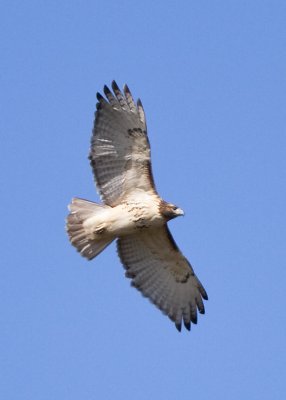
x=144 y=212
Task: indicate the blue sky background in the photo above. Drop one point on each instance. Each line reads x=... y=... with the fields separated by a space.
x=212 y=79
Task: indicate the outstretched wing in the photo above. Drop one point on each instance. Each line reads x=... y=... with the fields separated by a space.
x=120 y=150
x=159 y=270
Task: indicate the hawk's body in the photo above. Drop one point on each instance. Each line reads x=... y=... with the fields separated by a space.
x=133 y=212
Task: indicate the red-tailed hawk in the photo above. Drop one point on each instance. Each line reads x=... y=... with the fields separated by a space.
x=133 y=212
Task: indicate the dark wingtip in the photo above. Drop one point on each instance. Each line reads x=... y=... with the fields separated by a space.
x=187 y=325
x=202 y=291
x=99 y=97
x=202 y=310
x=106 y=90
x=200 y=305
x=126 y=89
x=178 y=326
x=129 y=274
x=115 y=86
x=139 y=103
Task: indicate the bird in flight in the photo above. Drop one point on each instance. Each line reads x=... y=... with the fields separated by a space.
x=132 y=211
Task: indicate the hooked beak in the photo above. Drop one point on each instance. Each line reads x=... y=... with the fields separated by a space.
x=180 y=212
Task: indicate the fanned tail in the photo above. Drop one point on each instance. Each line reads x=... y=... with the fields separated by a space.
x=82 y=235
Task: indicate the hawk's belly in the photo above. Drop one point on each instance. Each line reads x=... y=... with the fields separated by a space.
x=124 y=219
x=133 y=216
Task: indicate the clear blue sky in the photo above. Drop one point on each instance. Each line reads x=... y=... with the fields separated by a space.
x=212 y=79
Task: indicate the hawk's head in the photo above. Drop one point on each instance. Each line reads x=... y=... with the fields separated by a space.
x=169 y=210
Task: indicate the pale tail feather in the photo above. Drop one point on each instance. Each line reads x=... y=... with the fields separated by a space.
x=80 y=211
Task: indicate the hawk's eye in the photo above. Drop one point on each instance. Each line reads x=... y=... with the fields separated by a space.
x=175 y=208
